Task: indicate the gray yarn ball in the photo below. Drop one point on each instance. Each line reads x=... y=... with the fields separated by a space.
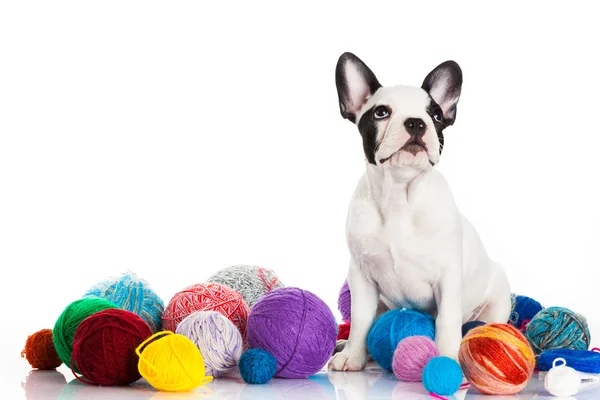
x=250 y=281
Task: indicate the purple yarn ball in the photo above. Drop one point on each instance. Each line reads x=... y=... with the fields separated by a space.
x=296 y=327
x=344 y=302
x=411 y=356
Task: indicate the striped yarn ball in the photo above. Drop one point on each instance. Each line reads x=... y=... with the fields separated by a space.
x=250 y=281
x=218 y=340
x=496 y=359
x=69 y=320
x=207 y=297
x=558 y=328
x=131 y=293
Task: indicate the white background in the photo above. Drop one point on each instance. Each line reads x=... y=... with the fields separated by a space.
x=174 y=139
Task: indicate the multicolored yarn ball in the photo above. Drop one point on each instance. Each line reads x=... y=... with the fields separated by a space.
x=523 y=310
x=250 y=281
x=470 y=325
x=391 y=328
x=257 y=366
x=39 y=351
x=343 y=331
x=411 y=356
x=218 y=340
x=585 y=361
x=104 y=347
x=171 y=363
x=558 y=328
x=69 y=320
x=296 y=327
x=345 y=302
x=207 y=297
x=442 y=376
x=134 y=294
x=496 y=359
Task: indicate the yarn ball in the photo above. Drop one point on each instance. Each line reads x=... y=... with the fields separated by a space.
x=207 y=297
x=470 y=325
x=345 y=302
x=39 y=350
x=296 y=327
x=69 y=320
x=442 y=376
x=250 y=281
x=257 y=366
x=523 y=310
x=134 y=294
x=411 y=356
x=562 y=380
x=104 y=347
x=391 y=328
x=343 y=331
x=496 y=359
x=171 y=363
x=218 y=340
x=558 y=328
x=581 y=360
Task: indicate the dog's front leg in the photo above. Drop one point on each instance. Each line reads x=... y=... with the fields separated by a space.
x=448 y=323
x=365 y=298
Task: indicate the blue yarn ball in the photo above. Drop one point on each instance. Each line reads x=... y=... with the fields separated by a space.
x=442 y=376
x=558 y=328
x=470 y=325
x=523 y=310
x=257 y=366
x=131 y=293
x=580 y=360
x=391 y=328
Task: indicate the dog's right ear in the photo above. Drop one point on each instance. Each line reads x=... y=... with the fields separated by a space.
x=355 y=84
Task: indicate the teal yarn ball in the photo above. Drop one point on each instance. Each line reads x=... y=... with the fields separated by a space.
x=442 y=376
x=257 y=366
x=558 y=328
x=131 y=293
x=391 y=328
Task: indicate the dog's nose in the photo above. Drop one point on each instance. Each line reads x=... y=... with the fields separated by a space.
x=415 y=126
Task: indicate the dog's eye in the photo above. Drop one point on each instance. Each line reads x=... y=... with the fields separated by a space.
x=437 y=116
x=381 y=112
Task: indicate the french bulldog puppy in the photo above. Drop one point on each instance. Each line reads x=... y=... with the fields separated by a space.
x=409 y=245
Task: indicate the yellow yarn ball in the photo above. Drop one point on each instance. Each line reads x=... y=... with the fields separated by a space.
x=171 y=363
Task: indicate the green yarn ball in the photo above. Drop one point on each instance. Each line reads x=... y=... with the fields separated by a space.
x=69 y=320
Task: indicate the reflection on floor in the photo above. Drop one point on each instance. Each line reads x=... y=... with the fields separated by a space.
x=370 y=384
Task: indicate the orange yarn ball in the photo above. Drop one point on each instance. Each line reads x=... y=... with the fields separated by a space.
x=207 y=297
x=40 y=352
x=496 y=359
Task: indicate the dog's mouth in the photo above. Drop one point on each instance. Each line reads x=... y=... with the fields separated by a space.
x=413 y=146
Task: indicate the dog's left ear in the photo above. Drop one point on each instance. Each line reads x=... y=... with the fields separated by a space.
x=444 y=85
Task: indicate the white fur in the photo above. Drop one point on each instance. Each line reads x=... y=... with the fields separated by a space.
x=409 y=245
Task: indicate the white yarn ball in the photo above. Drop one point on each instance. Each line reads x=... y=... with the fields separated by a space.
x=562 y=380
x=217 y=338
x=250 y=281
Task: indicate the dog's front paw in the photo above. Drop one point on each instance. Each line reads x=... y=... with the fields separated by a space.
x=347 y=360
x=448 y=346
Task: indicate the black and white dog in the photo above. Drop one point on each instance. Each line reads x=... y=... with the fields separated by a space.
x=409 y=245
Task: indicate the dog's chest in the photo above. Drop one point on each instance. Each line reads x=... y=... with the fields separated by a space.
x=392 y=250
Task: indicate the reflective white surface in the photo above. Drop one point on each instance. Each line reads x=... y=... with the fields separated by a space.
x=370 y=384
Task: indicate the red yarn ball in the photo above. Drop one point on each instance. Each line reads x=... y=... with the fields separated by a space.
x=207 y=297
x=343 y=331
x=104 y=347
x=40 y=352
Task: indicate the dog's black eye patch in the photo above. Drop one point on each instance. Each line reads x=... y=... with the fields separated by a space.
x=367 y=126
x=436 y=114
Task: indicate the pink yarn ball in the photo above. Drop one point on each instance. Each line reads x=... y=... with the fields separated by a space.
x=207 y=297
x=411 y=356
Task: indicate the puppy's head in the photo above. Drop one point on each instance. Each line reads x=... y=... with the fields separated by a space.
x=401 y=126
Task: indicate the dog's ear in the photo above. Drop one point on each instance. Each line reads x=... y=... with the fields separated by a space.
x=444 y=85
x=355 y=84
